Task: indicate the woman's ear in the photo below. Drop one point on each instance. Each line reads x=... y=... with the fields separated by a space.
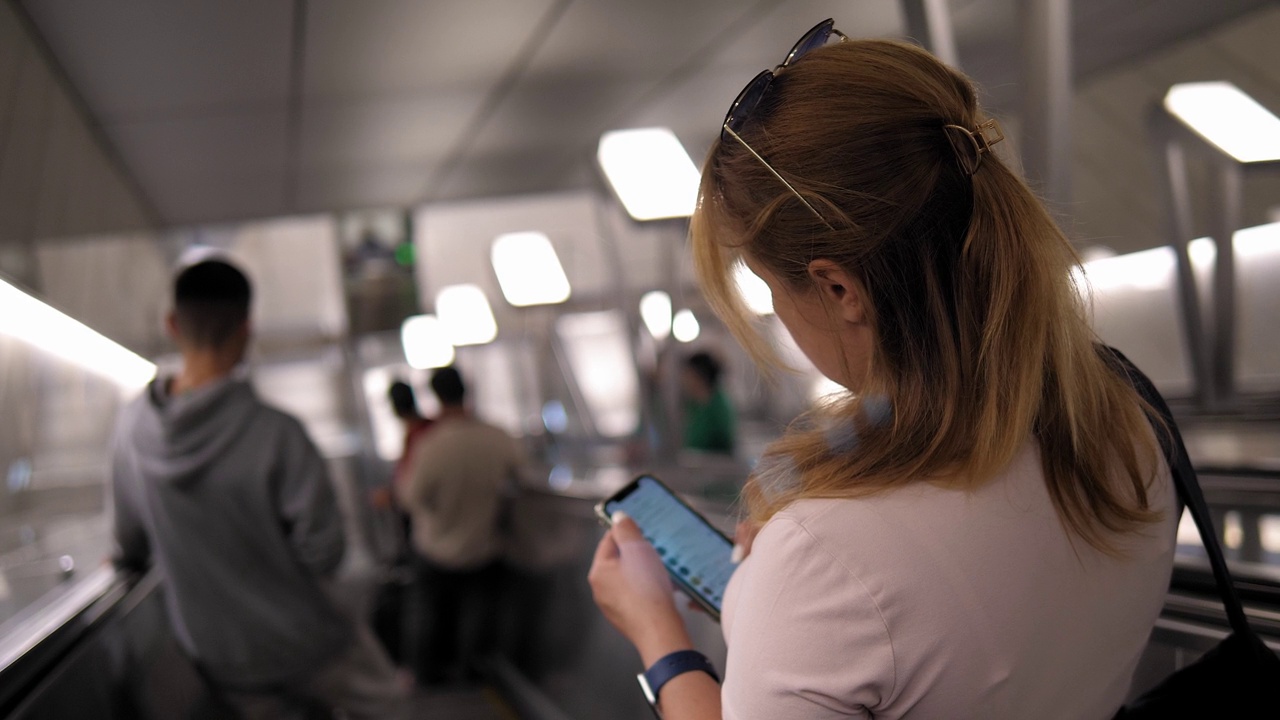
x=841 y=289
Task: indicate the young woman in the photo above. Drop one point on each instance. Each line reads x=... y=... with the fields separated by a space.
x=983 y=525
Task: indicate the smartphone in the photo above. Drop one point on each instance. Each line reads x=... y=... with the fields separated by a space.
x=696 y=554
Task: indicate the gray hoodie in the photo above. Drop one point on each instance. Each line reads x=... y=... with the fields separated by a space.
x=232 y=501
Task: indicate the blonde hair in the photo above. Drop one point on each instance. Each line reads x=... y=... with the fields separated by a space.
x=981 y=341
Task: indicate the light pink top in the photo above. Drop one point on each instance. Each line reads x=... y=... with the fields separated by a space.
x=933 y=603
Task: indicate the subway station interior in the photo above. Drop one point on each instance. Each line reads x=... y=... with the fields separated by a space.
x=411 y=184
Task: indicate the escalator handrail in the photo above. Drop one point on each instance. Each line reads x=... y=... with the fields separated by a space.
x=34 y=642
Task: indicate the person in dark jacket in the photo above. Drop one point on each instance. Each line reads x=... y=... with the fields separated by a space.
x=232 y=502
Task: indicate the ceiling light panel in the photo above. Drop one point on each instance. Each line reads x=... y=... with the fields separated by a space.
x=650 y=172
x=426 y=342
x=37 y=324
x=1228 y=118
x=655 y=310
x=684 y=326
x=528 y=270
x=465 y=313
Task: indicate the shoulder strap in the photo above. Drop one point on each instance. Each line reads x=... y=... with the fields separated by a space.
x=1184 y=477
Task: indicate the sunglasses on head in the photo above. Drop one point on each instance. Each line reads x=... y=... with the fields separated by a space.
x=749 y=99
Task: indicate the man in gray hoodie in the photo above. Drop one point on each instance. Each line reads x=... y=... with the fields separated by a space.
x=232 y=502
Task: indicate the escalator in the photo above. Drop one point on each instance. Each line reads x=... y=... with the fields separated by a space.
x=106 y=651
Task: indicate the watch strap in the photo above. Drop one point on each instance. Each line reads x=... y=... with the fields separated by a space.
x=671 y=665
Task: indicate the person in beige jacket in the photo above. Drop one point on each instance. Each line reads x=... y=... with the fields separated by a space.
x=462 y=477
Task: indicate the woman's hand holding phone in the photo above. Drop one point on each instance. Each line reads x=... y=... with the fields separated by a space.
x=631 y=586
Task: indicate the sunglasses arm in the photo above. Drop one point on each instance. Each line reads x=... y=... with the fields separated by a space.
x=783 y=180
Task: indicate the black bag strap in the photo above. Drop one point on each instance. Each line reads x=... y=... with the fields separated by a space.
x=1184 y=477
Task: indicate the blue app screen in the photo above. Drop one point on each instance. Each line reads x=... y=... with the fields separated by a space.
x=692 y=550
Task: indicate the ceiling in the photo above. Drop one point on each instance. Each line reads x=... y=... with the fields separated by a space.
x=226 y=111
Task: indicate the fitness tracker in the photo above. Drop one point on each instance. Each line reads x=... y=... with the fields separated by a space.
x=676 y=663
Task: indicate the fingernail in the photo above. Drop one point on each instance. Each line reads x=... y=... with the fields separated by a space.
x=738 y=554
x=618 y=516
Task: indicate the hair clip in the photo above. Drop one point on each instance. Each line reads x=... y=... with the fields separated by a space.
x=981 y=139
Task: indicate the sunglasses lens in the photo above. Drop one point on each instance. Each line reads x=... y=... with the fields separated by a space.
x=747 y=101
x=812 y=40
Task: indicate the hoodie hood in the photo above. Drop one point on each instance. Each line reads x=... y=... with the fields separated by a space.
x=177 y=437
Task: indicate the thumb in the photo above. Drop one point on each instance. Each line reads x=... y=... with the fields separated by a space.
x=625 y=529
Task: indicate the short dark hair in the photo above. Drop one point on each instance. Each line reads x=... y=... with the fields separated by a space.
x=403 y=400
x=447 y=384
x=210 y=303
x=706 y=367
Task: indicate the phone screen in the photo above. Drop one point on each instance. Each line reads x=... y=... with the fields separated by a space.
x=695 y=553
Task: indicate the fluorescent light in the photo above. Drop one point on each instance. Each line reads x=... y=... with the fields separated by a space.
x=1154 y=269
x=33 y=322
x=1228 y=118
x=755 y=292
x=1258 y=241
x=685 y=326
x=528 y=270
x=466 y=315
x=1096 y=252
x=1146 y=270
x=650 y=172
x=426 y=343
x=655 y=310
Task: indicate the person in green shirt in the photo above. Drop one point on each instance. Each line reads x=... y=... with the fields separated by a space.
x=709 y=416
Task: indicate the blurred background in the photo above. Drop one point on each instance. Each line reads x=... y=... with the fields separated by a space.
x=414 y=183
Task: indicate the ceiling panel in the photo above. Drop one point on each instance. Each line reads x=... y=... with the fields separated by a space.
x=197 y=199
x=1117 y=198
x=515 y=173
x=1252 y=47
x=694 y=103
x=559 y=111
x=596 y=63
x=355 y=188
x=765 y=42
x=146 y=57
x=1109 y=32
x=199 y=101
x=694 y=108
x=1104 y=34
x=396 y=130
x=211 y=145
x=676 y=64
x=391 y=47
x=628 y=40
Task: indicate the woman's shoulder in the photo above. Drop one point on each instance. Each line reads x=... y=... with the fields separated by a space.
x=855 y=515
x=816 y=532
x=877 y=533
